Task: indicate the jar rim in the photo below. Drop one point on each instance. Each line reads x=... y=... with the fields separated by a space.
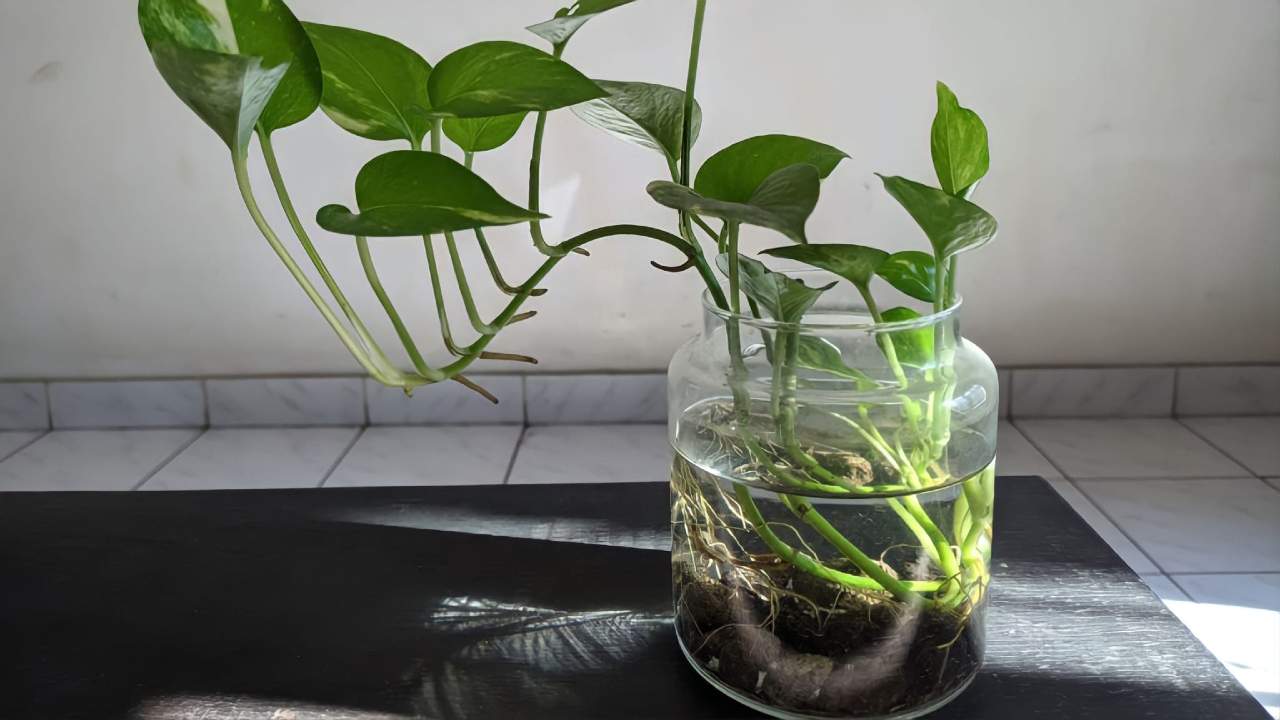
x=929 y=320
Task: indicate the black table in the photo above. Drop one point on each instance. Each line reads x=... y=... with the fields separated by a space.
x=496 y=602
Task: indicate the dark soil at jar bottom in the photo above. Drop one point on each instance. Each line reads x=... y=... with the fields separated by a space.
x=867 y=657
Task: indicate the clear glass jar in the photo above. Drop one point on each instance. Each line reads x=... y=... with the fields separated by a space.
x=831 y=508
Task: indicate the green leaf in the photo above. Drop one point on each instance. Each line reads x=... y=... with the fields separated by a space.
x=911 y=272
x=785 y=299
x=228 y=92
x=501 y=77
x=483 y=134
x=648 y=115
x=959 y=144
x=409 y=192
x=256 y=28
x=953 y=225
x=374 y=86
x=817 y=353
x=783 y=202
x=558 y=30
x=736 y=172
x=913 y=346
x=856 y=263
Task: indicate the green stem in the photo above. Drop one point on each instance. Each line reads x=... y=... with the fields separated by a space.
x=387 y=376
x=459 y=272
x=375 y=354
x=535 y=182
x=686 y=154
x=472 y=351
x=489 y=259
x=410 y=347
x=464 y=288
x=809 y=564
x=805 y=511
x=691 y=84
x=785 y=357
x=441 y=313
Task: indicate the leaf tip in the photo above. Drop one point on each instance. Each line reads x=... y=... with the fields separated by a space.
x=327 y=216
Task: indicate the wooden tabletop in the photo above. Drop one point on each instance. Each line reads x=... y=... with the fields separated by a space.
x=496 y=602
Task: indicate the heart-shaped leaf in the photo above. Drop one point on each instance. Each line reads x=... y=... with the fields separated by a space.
x=228 y=92
x=912 y=272
x=264 y=29
x=856 y=263
x=736 y=172
x=959 y=144
x=953 y=225
x=409 y=192
x=500 y=77
x=559 y=29
x=783 y=202
x=785 y=299
x=648 y=115
x=483 y=134
x=374 y=86
x=913 y=346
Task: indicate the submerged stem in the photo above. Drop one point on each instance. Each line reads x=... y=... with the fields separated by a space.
x=810 y=564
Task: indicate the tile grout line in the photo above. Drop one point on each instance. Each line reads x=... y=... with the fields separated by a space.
x=343 y=455
x=48 y=404
x=170 y=459
x=1173 y=401
x=1178 y=585
x=204 y=394
x=1215 y=446
x=364 y=399
x=515 y=452
x=25 y=445
x=524 y=403
x=1072 y=482
x=1119 y=529
x=1009 y=417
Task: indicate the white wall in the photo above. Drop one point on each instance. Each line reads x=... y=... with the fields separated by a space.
x=1136 y=173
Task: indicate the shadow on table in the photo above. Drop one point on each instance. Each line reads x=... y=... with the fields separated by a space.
x=223 y=606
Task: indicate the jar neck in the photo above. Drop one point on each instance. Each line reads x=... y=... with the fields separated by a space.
x=839 y=317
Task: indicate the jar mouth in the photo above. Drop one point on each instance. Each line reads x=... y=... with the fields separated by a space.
x=835 y=320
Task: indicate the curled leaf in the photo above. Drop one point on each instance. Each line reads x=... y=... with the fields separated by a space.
x=783 y=202
x=856 y=263
x=264 y=29
x=559 y=29
x=648 y=115
x=816 y=353
x=785 y=299
x=228 y=92
x=912 y=272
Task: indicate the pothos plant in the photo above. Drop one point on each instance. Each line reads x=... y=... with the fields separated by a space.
x=250 y=68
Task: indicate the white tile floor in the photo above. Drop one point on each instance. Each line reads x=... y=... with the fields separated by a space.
x=1192 y=505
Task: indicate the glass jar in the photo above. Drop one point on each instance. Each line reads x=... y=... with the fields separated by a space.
x=831 y=499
